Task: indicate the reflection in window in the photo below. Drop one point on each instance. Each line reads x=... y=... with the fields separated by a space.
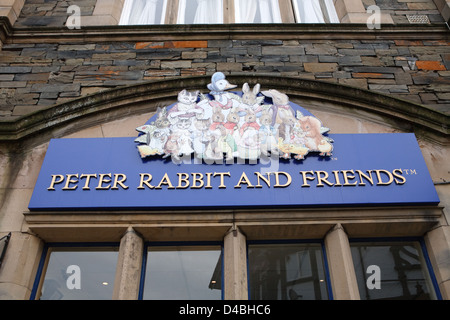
x=257 y=11
x=287 y=272
x=79 y=274
x=403 y=275
x=183 y=273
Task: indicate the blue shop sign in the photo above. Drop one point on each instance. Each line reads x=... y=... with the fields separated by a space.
x=246 y=149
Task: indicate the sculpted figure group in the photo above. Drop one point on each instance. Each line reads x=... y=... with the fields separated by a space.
x=227 y=125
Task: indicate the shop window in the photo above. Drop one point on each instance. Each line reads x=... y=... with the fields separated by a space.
x=142 y=12
x=287 y=271
x=392 y=271
x=182 y=272
x=70 y=273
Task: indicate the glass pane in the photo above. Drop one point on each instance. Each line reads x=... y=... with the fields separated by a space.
x=257 y=11
x=402 y=271
x=308 y=11
x=139 y=12
x=200 y=11
x=287 y=272
x=183 y=273
x=80 y=274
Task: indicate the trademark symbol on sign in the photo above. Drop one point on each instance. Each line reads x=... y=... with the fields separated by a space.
x=410 y=171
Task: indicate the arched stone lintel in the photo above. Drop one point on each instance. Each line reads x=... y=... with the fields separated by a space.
x=63 y=119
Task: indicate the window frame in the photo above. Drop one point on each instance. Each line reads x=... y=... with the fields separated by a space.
x=38 y=283
x=287 y=11
x=290 y=242
x=172 y=244
x=428 y=267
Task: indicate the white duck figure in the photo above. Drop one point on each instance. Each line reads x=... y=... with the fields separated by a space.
x=218 y=85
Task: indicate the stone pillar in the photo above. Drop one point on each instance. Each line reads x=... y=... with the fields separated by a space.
x=20 y=265
x=106 y=12
x=340 y=262
x=235 y=266
x=353 y=11
x=444 y=8
x=437 y=242
x=11 y=9
x=129 y=265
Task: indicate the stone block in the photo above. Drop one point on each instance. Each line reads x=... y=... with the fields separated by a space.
x=403 y=78
x=186 y=44
x=61 y=77
x=6 y=77
x=444 y=96
x=114 y=56
x=328 y=59
x=42 y=21
x=283 y=50
x=181 y=64
x=357 y=52
x=359 y=83
x=103 y=20
x=32 y=77
x=424 y=78
x=161 y=73
x=376 y=69
x=21 y=110
x=13 y=84
x=222 y=43
x=76 y=47
x=429 y=5
x=430 y=65
x=231 y=52
x=372 y=75
x=159 y=55
x=193 y=72
x=55 y=88
x=149 y=45
x=49 y=95
x=321 y=49
x=320 y=67
x=371 y=61
x=229 y=66
x=15 y=69
x=194 y=55
x=391 y=88
x=350 y=61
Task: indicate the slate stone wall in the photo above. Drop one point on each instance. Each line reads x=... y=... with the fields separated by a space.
x=37 y=75
x=33 y=76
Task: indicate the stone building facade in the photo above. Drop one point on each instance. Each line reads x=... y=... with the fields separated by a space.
x=105 y=79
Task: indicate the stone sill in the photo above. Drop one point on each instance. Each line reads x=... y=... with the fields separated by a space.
x=284 y=31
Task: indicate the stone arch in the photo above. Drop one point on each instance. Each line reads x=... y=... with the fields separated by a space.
x=69 y=117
